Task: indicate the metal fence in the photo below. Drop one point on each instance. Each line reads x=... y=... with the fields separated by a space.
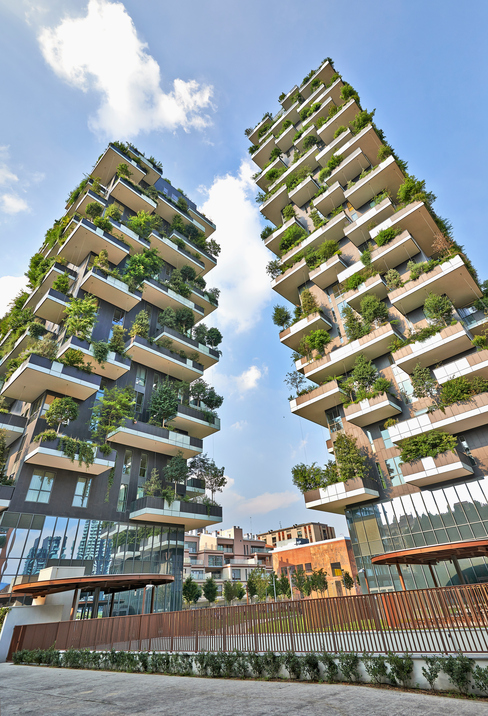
x=444 y=620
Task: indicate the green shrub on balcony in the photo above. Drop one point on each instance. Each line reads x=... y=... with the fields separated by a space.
x=438 y=309
x=111 y=410
x=287 y=123
x=296 y=178
x=102 y=223
x=393 y=280
x=273 y=174
x=332 y=164
x=292 y=236
x=281 y=317
x=266 y=232
x=81 y=316
x=308 y=302
x=361 y=120
x=93 y=210
x=77 y=191
x=353 y=324
x=113 y=212
x=315 y=341
x=384 y=236
x=339 y=131
x=310 y=142
x=348 y=93
x=123 y=171
x=143 y=223
x=307 y=112
x=350 y=464
x=430 y=444
x=275 y=154
x=141 y=267
x=253 y=148
x=414 y=189
x=364 y=382
x=289 y=212
x=140 y=327
x=460 y=389
x=324 y=252
x=61 y=283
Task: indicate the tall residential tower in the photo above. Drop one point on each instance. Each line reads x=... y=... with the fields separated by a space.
x=388 y=330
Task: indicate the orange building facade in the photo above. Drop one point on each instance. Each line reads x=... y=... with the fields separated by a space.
x=335 y=556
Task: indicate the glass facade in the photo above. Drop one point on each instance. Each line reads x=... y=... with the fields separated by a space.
x=30 y=542
x=437 y=516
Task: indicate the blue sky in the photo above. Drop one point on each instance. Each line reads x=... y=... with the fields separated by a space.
x=74 y=75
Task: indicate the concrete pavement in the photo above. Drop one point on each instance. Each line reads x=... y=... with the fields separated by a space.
x=30 y=690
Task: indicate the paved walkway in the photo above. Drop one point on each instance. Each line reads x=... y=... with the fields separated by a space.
x=35 y=690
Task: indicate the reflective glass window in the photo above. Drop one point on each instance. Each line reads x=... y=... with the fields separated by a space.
x=40 y=486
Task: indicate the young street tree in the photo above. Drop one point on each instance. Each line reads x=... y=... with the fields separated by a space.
x=190 y=591
x=299 y=581
x=210 y=590
x=348 y=581
x=229 y=591
x=259 y=583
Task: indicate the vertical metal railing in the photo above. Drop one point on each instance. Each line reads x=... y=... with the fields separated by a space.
x=443 y=620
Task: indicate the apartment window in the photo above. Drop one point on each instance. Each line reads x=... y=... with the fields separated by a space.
x=197 y=574
x=387 y=441
x=127 y=462
x=82 y=490
x=142 y=475
x=35 y=408
x=288 y=536
x=141 y=374
x=236 y=574
x=157 y=377
x=284 y=571
x=308 y=566
x=394 y=471
x=299 y=533
x=139 y=406
x=273 y=540
x=334 y=420
x=371 y=442
x=122 y=499
x=336 y=569
x=191 y=546
x=215 y=561
x=406 y=390
x=118 y=319
x=40 y=486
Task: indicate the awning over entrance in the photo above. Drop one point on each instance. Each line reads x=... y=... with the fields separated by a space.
x=107 y=583
x=435 y=553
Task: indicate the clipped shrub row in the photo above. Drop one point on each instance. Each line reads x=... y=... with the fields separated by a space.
x=393 y=669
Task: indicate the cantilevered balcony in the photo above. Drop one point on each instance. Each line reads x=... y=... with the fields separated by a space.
x=342 y=118
x=195 y=422
x=305 y=191
x=386 y=175
x=342 y=359
x=194 y=486
x=372 y=410
x=262 y=182
x=271 y=209
x=84 y=238
x=192 y=254
x=287 y=284
x=21 y=344
x=203 y=300
x=334 y=147
x=113 y=368
x=254 y=135
x=190 y=515
x=293 y=335
x=450 y=465
x=451 y=341
x=49 y=454
x=131 y=196
x=106 y=167
x=332 y=230
x=52 y=306
x=135 y=242
x=326 y=274
x=6 y=494
x=475 y=364
x=161 y=296
x=285 y=140
x=395 y=252
x=313 y=405
x=336 y=498
x=86 y=197
x=151 y=438
x=110 y=289
x=416 y=219
x=330 y=199
x=207 y=356
x=454 y=419
x=292 y=114
x=358 y=231
x=451 y=277
x=367 y=140
x=273 y=241
x=324 y=73
x=47 y=282
x=13 y=425
x=350 y=167
x=153 y=172
x=163 y=360
x=310 y=132
x=374 y=285
x=37 y=374
x=262 y=154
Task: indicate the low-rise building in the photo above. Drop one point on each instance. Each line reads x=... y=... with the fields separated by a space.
x=334 y=556
x=224 y=555
x=311 y=531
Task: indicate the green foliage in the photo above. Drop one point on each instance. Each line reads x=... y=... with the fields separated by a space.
x=143 y=223
x=424 y=385
x=307 y=477
x=72 y=447
x=330 y=667
x=353 y=324
x=393 y=280
x=102 y=223
x=401 y=668
x=191 y=591
x=140 y=267
x=296 y=177
x=431 y=670
x=459 y=669
x=375 y=667
x=176 y=469
x=350 y=462
x=38 y=268
x=61 y=411
x=93 y=210
x=332 y=164
x=123 y=171
x=292 y=236
x=339 y=131
x=117 y=341
x=481 y=342
x=314 y=341
x=153 y=486
x=140 y=327
x=324 y=252
x=353 y=282
x=462 y=388
x=210 y=590
x=111 y=411
x=273 y=174
x=438 y=309
x=384 y=152
x=77 y=191
x=361 y=120
x=414 y=189
x=281 y=317
x=266 y=232
x=480 y=676
x=288 y=212
x=309 y=303
x=258 y=579
x=100 y=351
x=349 y=665
x=348 y=93
x=276 y=152
x=164 y=403
x=384 y=236
x=366 y=257
x=430 y=444
x=81 y=316
x=373 y=311
x=273 y=268
x=293 y=665
x=54 y=235
x=61 y=283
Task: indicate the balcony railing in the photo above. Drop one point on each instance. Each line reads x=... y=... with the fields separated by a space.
x=14 y=426
x=313 y=405
x=293 y=335
x=49 y=455
x=110 y=289
x=163 y=359
x=372 y=410
x=155 y=439
x=207 y=356
x=112 y=368
x=336 y=498
x=192 y=515
x=475 y=364
x=386 y=175
x=449 y=342
x=449 y=465
x=84 y=238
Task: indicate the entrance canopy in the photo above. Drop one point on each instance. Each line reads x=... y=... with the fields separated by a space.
x=108 y=583
x=435 y=553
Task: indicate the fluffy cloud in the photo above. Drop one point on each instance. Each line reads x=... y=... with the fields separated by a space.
x=101 y=51
x=258 y=505
x=237 y=384
x=12 y=204
x=250 y=378
x=240 y=272
x=239 y=425
x=10 y=286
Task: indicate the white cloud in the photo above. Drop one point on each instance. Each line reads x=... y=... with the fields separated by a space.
x=250 y=378
x=258 y=505
x=12 y=204
x=102 y=52
x=240 y=384
x=240 y=425
x=240 y=272
x=10 y=286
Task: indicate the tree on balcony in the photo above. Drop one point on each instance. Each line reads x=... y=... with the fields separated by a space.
x=204 y=468
x=281 y=317
x=141 y=267
x=364 y=382
x=140 y=327
x=94 y=210
x=176 y=469
x=153 y=486
x=81 y=316
x=438 y=309
x=143 y=223
x=111 y=411
x=60 y=412
x=314 y=342
x=373 y=311
x=164 y=403
x=430 y=444
x=424 y=384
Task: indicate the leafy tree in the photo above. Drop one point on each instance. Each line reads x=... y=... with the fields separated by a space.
x=143 y=223
x=164 y=403
x=185 y=320
x=113 y=212
x=229 y=591
x=176 y=469
x=60 y=412
x=81 y=316
x=314 y=341
x=140 y=267
x=284 y=585
x=281 y=317
x=239 y=591
x=210 y=590
x=140 y=327
x=414 y=189
x=214 y=337
x=252 y=589
x=364 y=373
x=296 y=381
x=204 y=468
x=111 y=411
x=353 y=324
x=307 y=477
x=200 y=333
x=188 y=273
x=424 y=384
x=168 y=318
x=393 y=279
x=259 y=580
x=347 y=581
x=124 y=171
x=319 y=581
x=309 y=303
x=373 y=311
x=438 y=309
x=191 y=591
x=299 y=581
x=94 y=209
x=3 y=463
x=117 y=340
x=202 y=392
x=153 y=486
x=350 y=462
